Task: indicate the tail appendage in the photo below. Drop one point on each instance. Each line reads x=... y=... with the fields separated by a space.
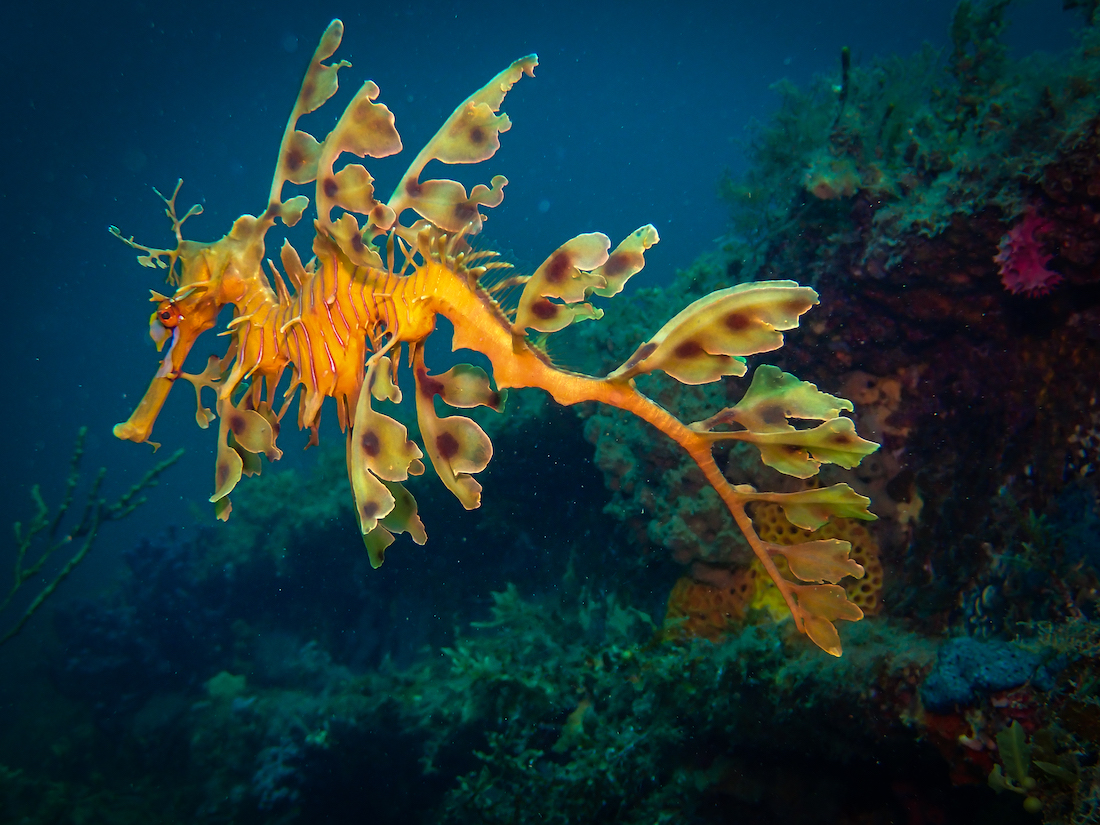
x=375 y=285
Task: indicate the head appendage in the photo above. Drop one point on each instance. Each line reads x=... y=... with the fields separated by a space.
x=154 y=257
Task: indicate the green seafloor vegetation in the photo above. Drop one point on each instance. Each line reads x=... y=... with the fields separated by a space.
x=594 y=645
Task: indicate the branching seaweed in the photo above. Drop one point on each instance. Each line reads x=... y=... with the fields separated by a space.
x=43 y=536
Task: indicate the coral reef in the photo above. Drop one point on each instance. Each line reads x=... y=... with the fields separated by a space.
x=1023 y=263
x=966 y=667
x=894 y=188
x=571 y=706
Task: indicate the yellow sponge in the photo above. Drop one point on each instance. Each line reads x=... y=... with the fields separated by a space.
x=771 y=525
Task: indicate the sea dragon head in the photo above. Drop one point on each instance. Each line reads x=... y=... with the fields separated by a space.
x=207 y=276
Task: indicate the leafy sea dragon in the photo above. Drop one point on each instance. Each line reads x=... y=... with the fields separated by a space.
x=374 y=287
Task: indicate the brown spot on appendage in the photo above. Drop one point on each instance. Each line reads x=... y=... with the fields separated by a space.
x=413 y=188
x=429 y=387
x=544 y=309
x=369 y=510
x=791 y=448
x=357 y=242
x=476 y=135
x=221 y=473
x=617 y=264
x=307 y=90
x=330 y=187
x=688 y=349
x=370 y=444
x=464 y=211
x=371 y=117
x=840 y=438
x=237 y=423
x=643 y=352
x=493 y=401
x=559 y=268
x=447 y=445
x=737 y=321
x=771 y=414
x=294 y=159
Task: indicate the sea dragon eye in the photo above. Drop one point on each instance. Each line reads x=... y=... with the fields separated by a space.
x=164 y=322
x=168 y=314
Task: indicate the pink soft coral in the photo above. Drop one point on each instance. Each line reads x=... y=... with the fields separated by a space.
x=1023 y=262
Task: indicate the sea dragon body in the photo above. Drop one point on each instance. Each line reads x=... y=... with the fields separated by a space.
x=352 y=309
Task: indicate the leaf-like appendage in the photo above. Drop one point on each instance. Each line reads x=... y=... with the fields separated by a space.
x=457 y=446
x=352 y=189
x=348 y=235
x=708 y=339
x=379 y=450
x=775 y=396
x=771 y=400
x=299 y=151
x=376 y=542
x=298 y=160
x=242 y=435
x=291 y=211
x=384 y=387
x=321 y=81
x=627 y=260
x=465 y=386
x=554 y=296
x=568 y=276
x=444 y=203
x=800 y=453
x=821 y=605
x=472 y=132
x=365 y=129
x=823 y=633
x=470 y=135
x=209 y=377
x=228 y=469
x=809 y=509
x=823 y=560
x=251 y=430
x=382 y=442
x=402 y=518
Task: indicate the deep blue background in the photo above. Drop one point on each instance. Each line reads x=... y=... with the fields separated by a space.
x=635 y=110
